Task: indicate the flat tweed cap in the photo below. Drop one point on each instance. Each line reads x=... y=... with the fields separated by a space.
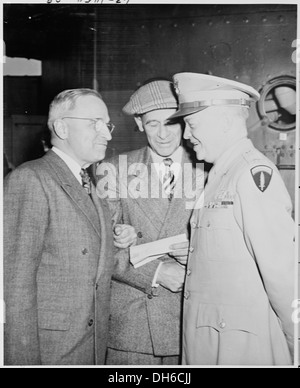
x=152 y=96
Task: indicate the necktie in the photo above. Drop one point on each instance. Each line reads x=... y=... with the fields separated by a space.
x=86 y=180
x=169 y=179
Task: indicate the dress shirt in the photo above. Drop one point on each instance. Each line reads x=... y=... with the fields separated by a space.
x=160 y=169
x=160 y=166
x=71 y=163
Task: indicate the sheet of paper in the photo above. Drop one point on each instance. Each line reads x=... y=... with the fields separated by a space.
x=144 y=253
x=146 y=260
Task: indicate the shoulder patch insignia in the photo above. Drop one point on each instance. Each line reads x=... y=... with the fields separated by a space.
x=262 y=177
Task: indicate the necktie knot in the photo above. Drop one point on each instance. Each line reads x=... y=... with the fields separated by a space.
x=168 y=162
x=86 y=180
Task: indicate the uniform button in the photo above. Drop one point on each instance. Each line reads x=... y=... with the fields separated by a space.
x=192 y=249
x=222 y=325
x=188 y=272
x=84 y=251
x=140 y=234
x=193 y=225
x=186 y=295
x=150 y=296
x=91 y=322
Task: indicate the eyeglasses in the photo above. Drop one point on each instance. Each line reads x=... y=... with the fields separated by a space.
x=99 y=123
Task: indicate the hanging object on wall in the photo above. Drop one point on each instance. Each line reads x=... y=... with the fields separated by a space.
x=277 y=105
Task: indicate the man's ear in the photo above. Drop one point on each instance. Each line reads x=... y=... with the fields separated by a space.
x=227 y=120
x=139 y=123
x=61 y=129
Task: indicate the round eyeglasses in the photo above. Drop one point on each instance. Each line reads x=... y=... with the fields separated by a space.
x=99 y=123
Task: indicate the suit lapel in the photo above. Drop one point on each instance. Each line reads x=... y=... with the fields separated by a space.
x=73 y=189
x=153 y=208
x=105 y=226
x=84 y=203
x=177 y=213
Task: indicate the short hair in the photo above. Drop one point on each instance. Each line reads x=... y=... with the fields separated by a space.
x=239 y=112
x=240 y=115
x=243 y=112
x=66 y=101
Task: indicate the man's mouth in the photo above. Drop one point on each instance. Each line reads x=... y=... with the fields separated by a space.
x=164 y=143
x=101 y=144
x=195 y=143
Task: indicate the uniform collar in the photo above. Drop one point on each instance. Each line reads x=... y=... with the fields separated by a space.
x=223 y=163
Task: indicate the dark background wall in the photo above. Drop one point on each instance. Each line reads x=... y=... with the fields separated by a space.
x=117 y=48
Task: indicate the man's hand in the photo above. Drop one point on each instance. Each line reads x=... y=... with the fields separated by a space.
x=171 y=275
x=124 y=236
x=180 y=252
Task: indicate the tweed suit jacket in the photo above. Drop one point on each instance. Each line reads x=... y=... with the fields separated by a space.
x=58 y=261
x=144 y=319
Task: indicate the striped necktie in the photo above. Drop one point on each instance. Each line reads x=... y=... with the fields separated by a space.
x=86 y=180
x=168 y=179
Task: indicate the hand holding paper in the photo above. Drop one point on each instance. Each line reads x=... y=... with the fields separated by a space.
x=171 y=276
x=124 y=236
x=142 y=254
x=180 y=252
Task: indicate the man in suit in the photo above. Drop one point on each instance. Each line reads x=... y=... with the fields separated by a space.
x=146 y=305
x=58 y=245
x=239 y=294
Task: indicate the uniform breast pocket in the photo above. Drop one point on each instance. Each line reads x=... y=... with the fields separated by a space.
x=219 y=239
x=230 y=332
x=225 y=318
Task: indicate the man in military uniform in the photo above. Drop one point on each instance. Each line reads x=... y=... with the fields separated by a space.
x=240 y=273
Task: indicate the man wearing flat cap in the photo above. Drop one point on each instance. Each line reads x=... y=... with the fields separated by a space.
x=239 y=292
x=146 y=301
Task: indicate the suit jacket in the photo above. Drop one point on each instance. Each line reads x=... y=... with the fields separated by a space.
x=239 y=292
x=58 y=260
x=144 y=319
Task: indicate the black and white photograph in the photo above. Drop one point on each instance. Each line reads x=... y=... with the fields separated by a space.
x=150 y=193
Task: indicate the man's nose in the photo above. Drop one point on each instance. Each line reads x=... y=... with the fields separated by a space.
x=187 y=132
x=163 y=131
x=106 y=133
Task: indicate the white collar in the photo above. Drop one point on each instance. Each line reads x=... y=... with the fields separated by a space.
x=176 y=156
x=159 y=164
x=71 y=163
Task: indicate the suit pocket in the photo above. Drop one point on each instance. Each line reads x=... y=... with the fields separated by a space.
x=225 y=318
x=53 y=320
